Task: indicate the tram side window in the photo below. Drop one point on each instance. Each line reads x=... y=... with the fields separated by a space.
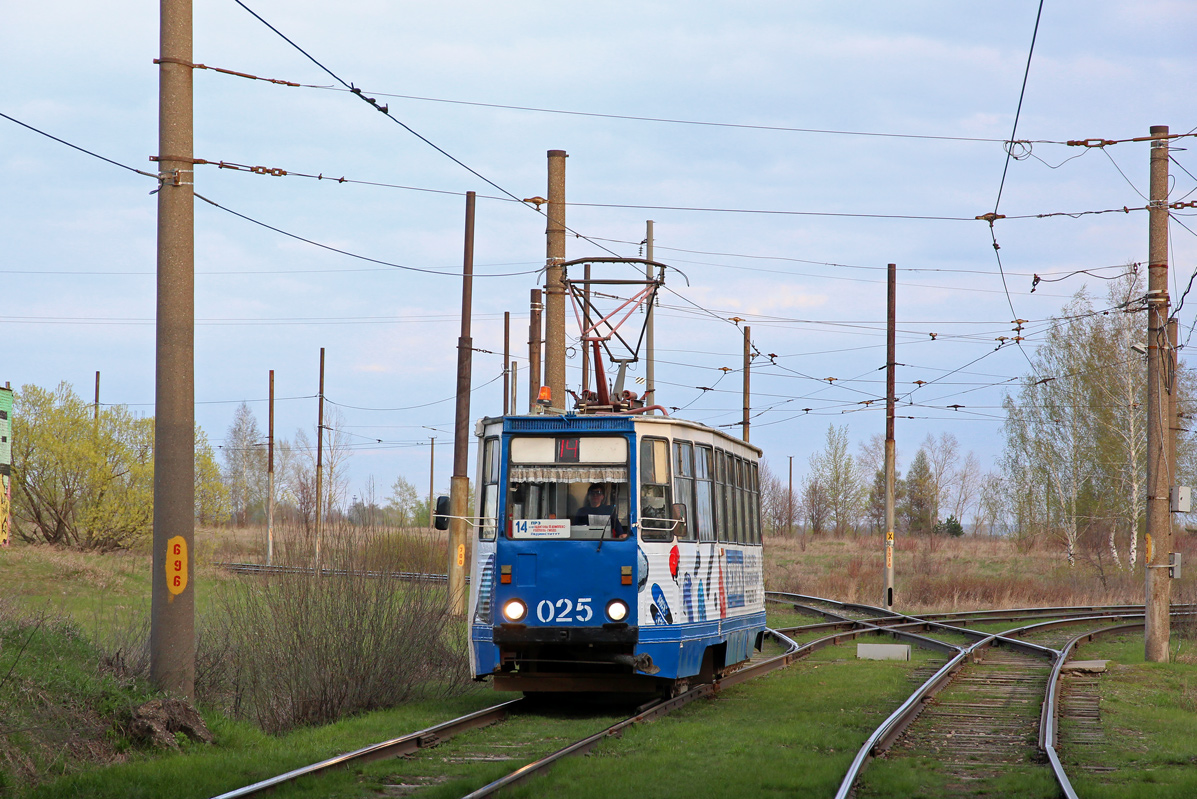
x=743 y=529
x=683 y=484
x=704 y=508
x=722 y=520
x=737 y=518
x=490 y=490
x=754 y=478
x=655 y=524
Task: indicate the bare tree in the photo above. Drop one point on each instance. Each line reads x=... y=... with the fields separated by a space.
x=244 y=470
x=964 y=485
x=942 y=456
x=991 y=504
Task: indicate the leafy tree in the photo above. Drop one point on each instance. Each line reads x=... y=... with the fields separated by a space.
x=839 y=477
x=875 y=504
x=87 y=483
x=816 y=506
x=404 y=503
x=919 y=507
x=1075 y=433
x=211 y=496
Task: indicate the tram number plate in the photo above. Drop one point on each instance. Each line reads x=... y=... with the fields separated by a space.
x=540 y=528
x=564 y=610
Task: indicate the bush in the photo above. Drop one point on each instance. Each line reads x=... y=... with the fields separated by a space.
x=950 y=526
x=87 y=482
x=296 y=649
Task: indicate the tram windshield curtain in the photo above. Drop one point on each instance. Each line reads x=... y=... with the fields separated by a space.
x=568 y=474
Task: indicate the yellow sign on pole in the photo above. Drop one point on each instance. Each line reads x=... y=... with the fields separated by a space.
x=176 y=565
x=461 y=554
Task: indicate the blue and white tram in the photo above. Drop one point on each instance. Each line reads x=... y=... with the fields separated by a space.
x=613 y=553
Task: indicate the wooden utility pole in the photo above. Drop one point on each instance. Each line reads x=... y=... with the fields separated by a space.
x=534 y=349
x=320 y=466
x=515 y=373
x=506 y=360
x=747 y=376
x=432 y=476
x=96 y=407
x=172 y=605
x=585 y=327
x=459 y=489
x=890 y=446
x=650 y=343
x=1160 y=468
x=270 y=477
x=554 y=325
x=790 y=502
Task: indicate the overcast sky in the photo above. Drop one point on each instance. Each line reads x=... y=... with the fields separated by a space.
x=809 y=209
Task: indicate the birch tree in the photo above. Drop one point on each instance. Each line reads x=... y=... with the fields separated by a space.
x=839 y=476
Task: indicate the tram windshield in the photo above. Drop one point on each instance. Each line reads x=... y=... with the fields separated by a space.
x=568 y=488
x=565 y=510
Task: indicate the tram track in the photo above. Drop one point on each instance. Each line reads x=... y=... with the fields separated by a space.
x=425 y=739
x=992 y=705
x=990 y=711
x=432 y=736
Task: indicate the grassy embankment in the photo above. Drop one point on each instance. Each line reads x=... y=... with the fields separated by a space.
x=789 y=731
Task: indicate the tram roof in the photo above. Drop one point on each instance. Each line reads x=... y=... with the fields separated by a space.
x=592 y=423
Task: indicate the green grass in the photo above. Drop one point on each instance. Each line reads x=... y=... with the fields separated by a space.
x=95 y=589
x=1149 y=717
x=243 y=755
x=793 y=733
x=58 y=712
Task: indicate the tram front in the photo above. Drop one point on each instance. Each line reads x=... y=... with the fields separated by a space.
x=553 y=601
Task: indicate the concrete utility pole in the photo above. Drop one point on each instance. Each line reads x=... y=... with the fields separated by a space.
x=320 y=466
x=650 y=346
x=459 y=489
x=270 y=477
x=172 y=605
x=890 y=455
x=534 y=349
x=554 y=326
x=747 y=376
x=1160 y=468
x=96 y=407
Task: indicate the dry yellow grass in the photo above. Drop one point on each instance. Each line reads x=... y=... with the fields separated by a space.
x=968 y=573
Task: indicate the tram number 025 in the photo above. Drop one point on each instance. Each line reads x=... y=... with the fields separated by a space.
x=564 y=610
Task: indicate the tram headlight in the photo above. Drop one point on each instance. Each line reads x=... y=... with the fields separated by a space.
x=617 y=610
x=514 y=610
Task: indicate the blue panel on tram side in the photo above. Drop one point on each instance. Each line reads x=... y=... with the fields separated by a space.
x=735 y=578
x=677 y=649
x=486 y=654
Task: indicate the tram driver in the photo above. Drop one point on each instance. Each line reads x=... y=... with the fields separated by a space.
x=596 y=512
